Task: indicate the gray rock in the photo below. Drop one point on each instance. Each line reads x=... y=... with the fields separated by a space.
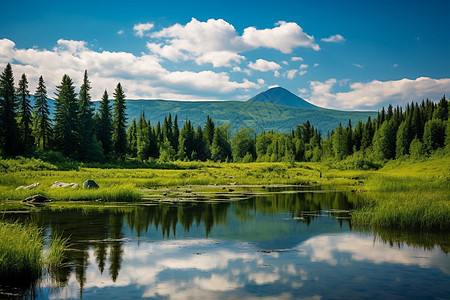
x=36 y=199
x=90 y=184
x=64 y=185
x=28 y=187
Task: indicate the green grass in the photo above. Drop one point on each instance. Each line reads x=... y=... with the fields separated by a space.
x=22 y=254
x=403 y=193
x=407 y=195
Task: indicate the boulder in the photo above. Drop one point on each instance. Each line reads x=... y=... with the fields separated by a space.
x=64 y=184
x=90 y=184
x=28 y=187
x=36 y=199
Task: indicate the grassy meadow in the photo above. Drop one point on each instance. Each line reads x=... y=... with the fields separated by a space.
x=403 y=193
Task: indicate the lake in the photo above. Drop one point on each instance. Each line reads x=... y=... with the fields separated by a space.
x=283 y=244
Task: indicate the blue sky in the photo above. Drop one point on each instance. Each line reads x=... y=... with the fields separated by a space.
x=338 y=54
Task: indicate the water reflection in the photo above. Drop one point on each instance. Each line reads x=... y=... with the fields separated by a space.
x=286 y=245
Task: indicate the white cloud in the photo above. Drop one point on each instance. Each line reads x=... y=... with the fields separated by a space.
x=264 y=65
x=142 y=76
x=276 y=73
x=302 y=72
x=120 y=32
x=297 y=58
x=204 y=41
x=316 y=65
x=303 y=66
x=219 y=58
x=291 y=74
x=395 y=65
x=337 y=38
x=374 y=94
x=284 y=38
x=141 y=28
x=358 y=66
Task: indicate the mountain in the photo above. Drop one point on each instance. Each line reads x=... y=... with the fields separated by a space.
x=254 y=113
x=281 y=96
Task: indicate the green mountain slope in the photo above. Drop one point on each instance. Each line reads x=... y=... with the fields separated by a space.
x=279 y=95
x=258 y=115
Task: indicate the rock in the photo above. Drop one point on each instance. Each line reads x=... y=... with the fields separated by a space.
x=64 y=184
x=36 y=199
x=28 y=187
x=90 y=184
x=230 y=190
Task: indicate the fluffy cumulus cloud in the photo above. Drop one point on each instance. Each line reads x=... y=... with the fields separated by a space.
x=142 y=76
x=140 y=29
x=264 y=65
x=217 y=41
x=374 y=94
x=337 y=38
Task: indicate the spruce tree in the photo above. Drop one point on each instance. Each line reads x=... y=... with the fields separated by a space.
x=66 y=129
x=85 y=118
x=208 y=130
x=119 y=136
x=104 y=134
x=9 y=134
x=132 y=142
x=175 y=134
x=41 y=116
x=26 y=141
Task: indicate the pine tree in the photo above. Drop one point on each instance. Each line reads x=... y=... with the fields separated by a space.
x=119 y=136
x=367 y=135
x=403 y=139
x=41 y=116
x=221 y=148
x=186 y=143
x=85 y=118
x=26 y=141
x=434 y=135
x=357 y=135
x=66 y=129
x=104 y=134
x=175 y=134
x=208 y=130
x=132 y=142
x=8 y=126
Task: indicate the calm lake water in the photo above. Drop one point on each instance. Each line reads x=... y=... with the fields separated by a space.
x=284 y=245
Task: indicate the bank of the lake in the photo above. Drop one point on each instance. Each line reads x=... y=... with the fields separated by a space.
x=404 y=193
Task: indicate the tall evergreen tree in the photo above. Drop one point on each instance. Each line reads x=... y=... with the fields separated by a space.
x=8 y=103
x=221 y=148
x=367 y=134
x=41 y=116
x=104 y=134
x=132 y=142
x=119 y=136
x=66 y=129
x=208 y=130
x=85 y=117
x=26 y=141
x=175 y=134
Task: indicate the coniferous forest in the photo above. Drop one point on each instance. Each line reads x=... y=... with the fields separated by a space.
x=80 y=133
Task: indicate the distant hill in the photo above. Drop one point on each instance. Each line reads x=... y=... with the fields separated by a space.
x=281 y=96
x=254 y=113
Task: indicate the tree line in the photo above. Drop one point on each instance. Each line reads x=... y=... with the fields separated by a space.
x=81 y=133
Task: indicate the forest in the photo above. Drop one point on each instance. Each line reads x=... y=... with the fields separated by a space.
x=78 y=132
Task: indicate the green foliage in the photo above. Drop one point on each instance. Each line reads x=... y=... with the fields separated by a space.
x=104 y=132
x=243 y=143
x=221 y=148
x=119 y=135
x=66 y=129
x=21 y=251
x=434 y=134
x=86 y=120
x=9 y=135
x=41 y=117
x=26 y=140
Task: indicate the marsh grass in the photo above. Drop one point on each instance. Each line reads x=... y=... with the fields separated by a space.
x=21 y=249
x=407 y=195
x=22 y=255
